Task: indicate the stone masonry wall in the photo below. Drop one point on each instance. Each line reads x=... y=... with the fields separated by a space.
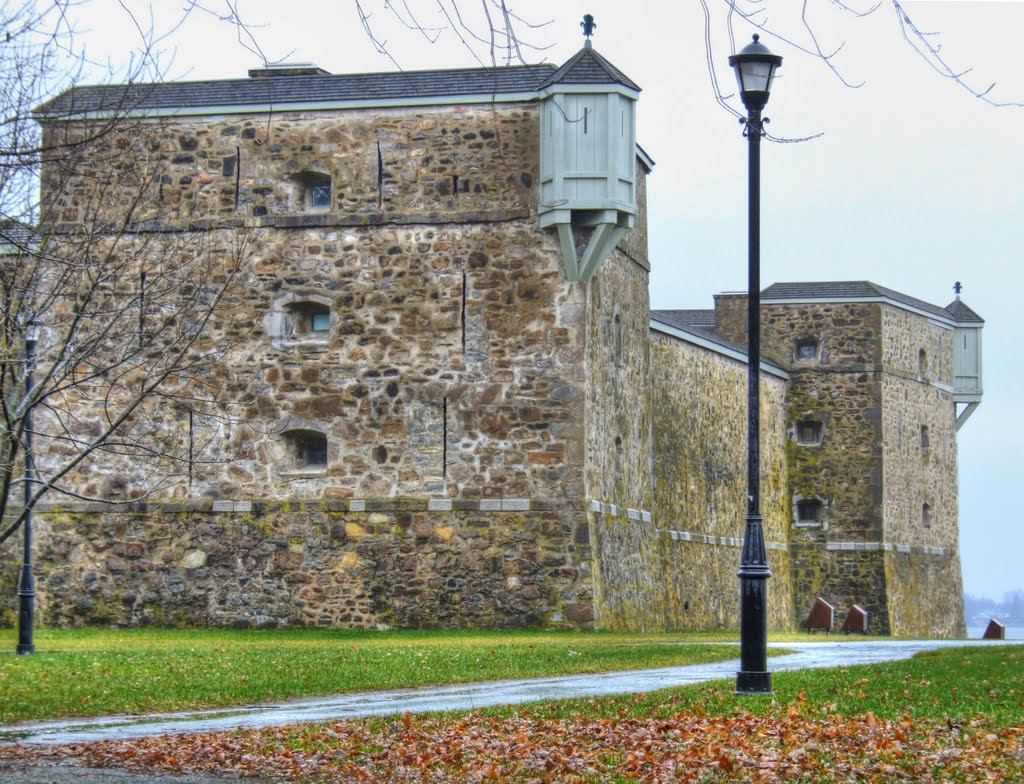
x=618 y=429
x=394 y=562
x=920 y=505
x=677 y=568
x=839 y=388
x=381 y=162
x=453 y=362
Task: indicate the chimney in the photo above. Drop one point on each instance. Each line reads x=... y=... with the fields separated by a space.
x=287 y=69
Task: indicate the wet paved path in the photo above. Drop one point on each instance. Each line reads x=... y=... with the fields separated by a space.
x=807 y=655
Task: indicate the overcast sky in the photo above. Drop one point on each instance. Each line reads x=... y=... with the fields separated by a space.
x=913 y=184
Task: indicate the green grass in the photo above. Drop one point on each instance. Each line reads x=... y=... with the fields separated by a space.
x=93 y=672
x=954 y=684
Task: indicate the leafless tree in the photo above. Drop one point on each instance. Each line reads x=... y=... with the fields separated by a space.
x=494 y=33
x=130 y=304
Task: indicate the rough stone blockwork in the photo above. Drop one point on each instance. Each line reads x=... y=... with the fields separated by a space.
x=289 y=564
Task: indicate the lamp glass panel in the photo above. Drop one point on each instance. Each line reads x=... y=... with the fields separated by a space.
x=755 y=76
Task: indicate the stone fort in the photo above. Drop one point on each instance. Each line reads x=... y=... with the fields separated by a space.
x=464 y=412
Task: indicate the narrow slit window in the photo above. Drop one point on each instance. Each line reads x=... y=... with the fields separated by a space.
x=926 y=515
x=922 y=363
x=618 y=459
x=925 y=443
x=618 y=338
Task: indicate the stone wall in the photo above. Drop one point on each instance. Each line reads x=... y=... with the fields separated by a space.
x=453 y=364
x=920 y=504
x=619 y=448
x=674 y=566
x=376 y=562
x=429 y=160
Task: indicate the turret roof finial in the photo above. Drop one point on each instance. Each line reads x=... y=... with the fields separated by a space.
x=588 y=24
x=957 y=288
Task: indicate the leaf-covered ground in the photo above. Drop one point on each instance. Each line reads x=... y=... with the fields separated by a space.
x=955 y=715
x=684 y=748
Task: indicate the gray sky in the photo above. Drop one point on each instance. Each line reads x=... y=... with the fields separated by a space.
x=914 y=183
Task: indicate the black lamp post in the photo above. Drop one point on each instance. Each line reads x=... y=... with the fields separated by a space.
x=755 y=68
x=27 y=582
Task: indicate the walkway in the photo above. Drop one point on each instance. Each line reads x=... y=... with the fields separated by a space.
x=807 y=655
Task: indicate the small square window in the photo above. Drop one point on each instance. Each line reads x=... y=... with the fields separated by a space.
x=808 y=432
x=807 y=348
x=320 y=197
x=808 y=511
x=309 y=449
x=308 y=319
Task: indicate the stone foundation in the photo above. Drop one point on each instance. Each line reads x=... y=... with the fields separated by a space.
x=395 y=562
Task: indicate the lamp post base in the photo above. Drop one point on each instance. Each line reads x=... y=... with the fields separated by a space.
x=26 y=610
x=753 y=682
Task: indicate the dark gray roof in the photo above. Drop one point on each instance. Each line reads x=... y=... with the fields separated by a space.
x=588 y=67
x=698 y=323
x=847 y=289
x=963 y=314
x=16 y=237
x=297 y=89
x=701 y=324
x=686 y=319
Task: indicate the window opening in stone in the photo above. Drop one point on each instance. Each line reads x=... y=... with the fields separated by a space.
x=807 y=348
x=922 y=363
x=925 y=445
x=808 y=432
x=808 y=511
x=320 y=197
x=308 y=448
x=618 y=459
x=926 y=515
x=618 y=338
x=316 y=191
x=309 y=318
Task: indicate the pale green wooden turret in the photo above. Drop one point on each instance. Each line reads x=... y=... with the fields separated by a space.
x=967 y=388
x=588 y=156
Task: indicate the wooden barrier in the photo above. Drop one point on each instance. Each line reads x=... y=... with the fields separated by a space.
x=856 y=620
x=994 y=631
x=822 y=617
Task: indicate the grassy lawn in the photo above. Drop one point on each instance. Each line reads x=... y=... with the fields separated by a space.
x=92 y=672
x=955 y=715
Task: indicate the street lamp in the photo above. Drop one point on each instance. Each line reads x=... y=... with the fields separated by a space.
x=27 y=582
x=755 y=68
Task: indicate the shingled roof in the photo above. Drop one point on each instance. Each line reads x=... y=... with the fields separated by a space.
x=295 y=89
x=588 y=67
x=687 y=319
x=963 y=314
x=16 y=237
x=861 y=290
